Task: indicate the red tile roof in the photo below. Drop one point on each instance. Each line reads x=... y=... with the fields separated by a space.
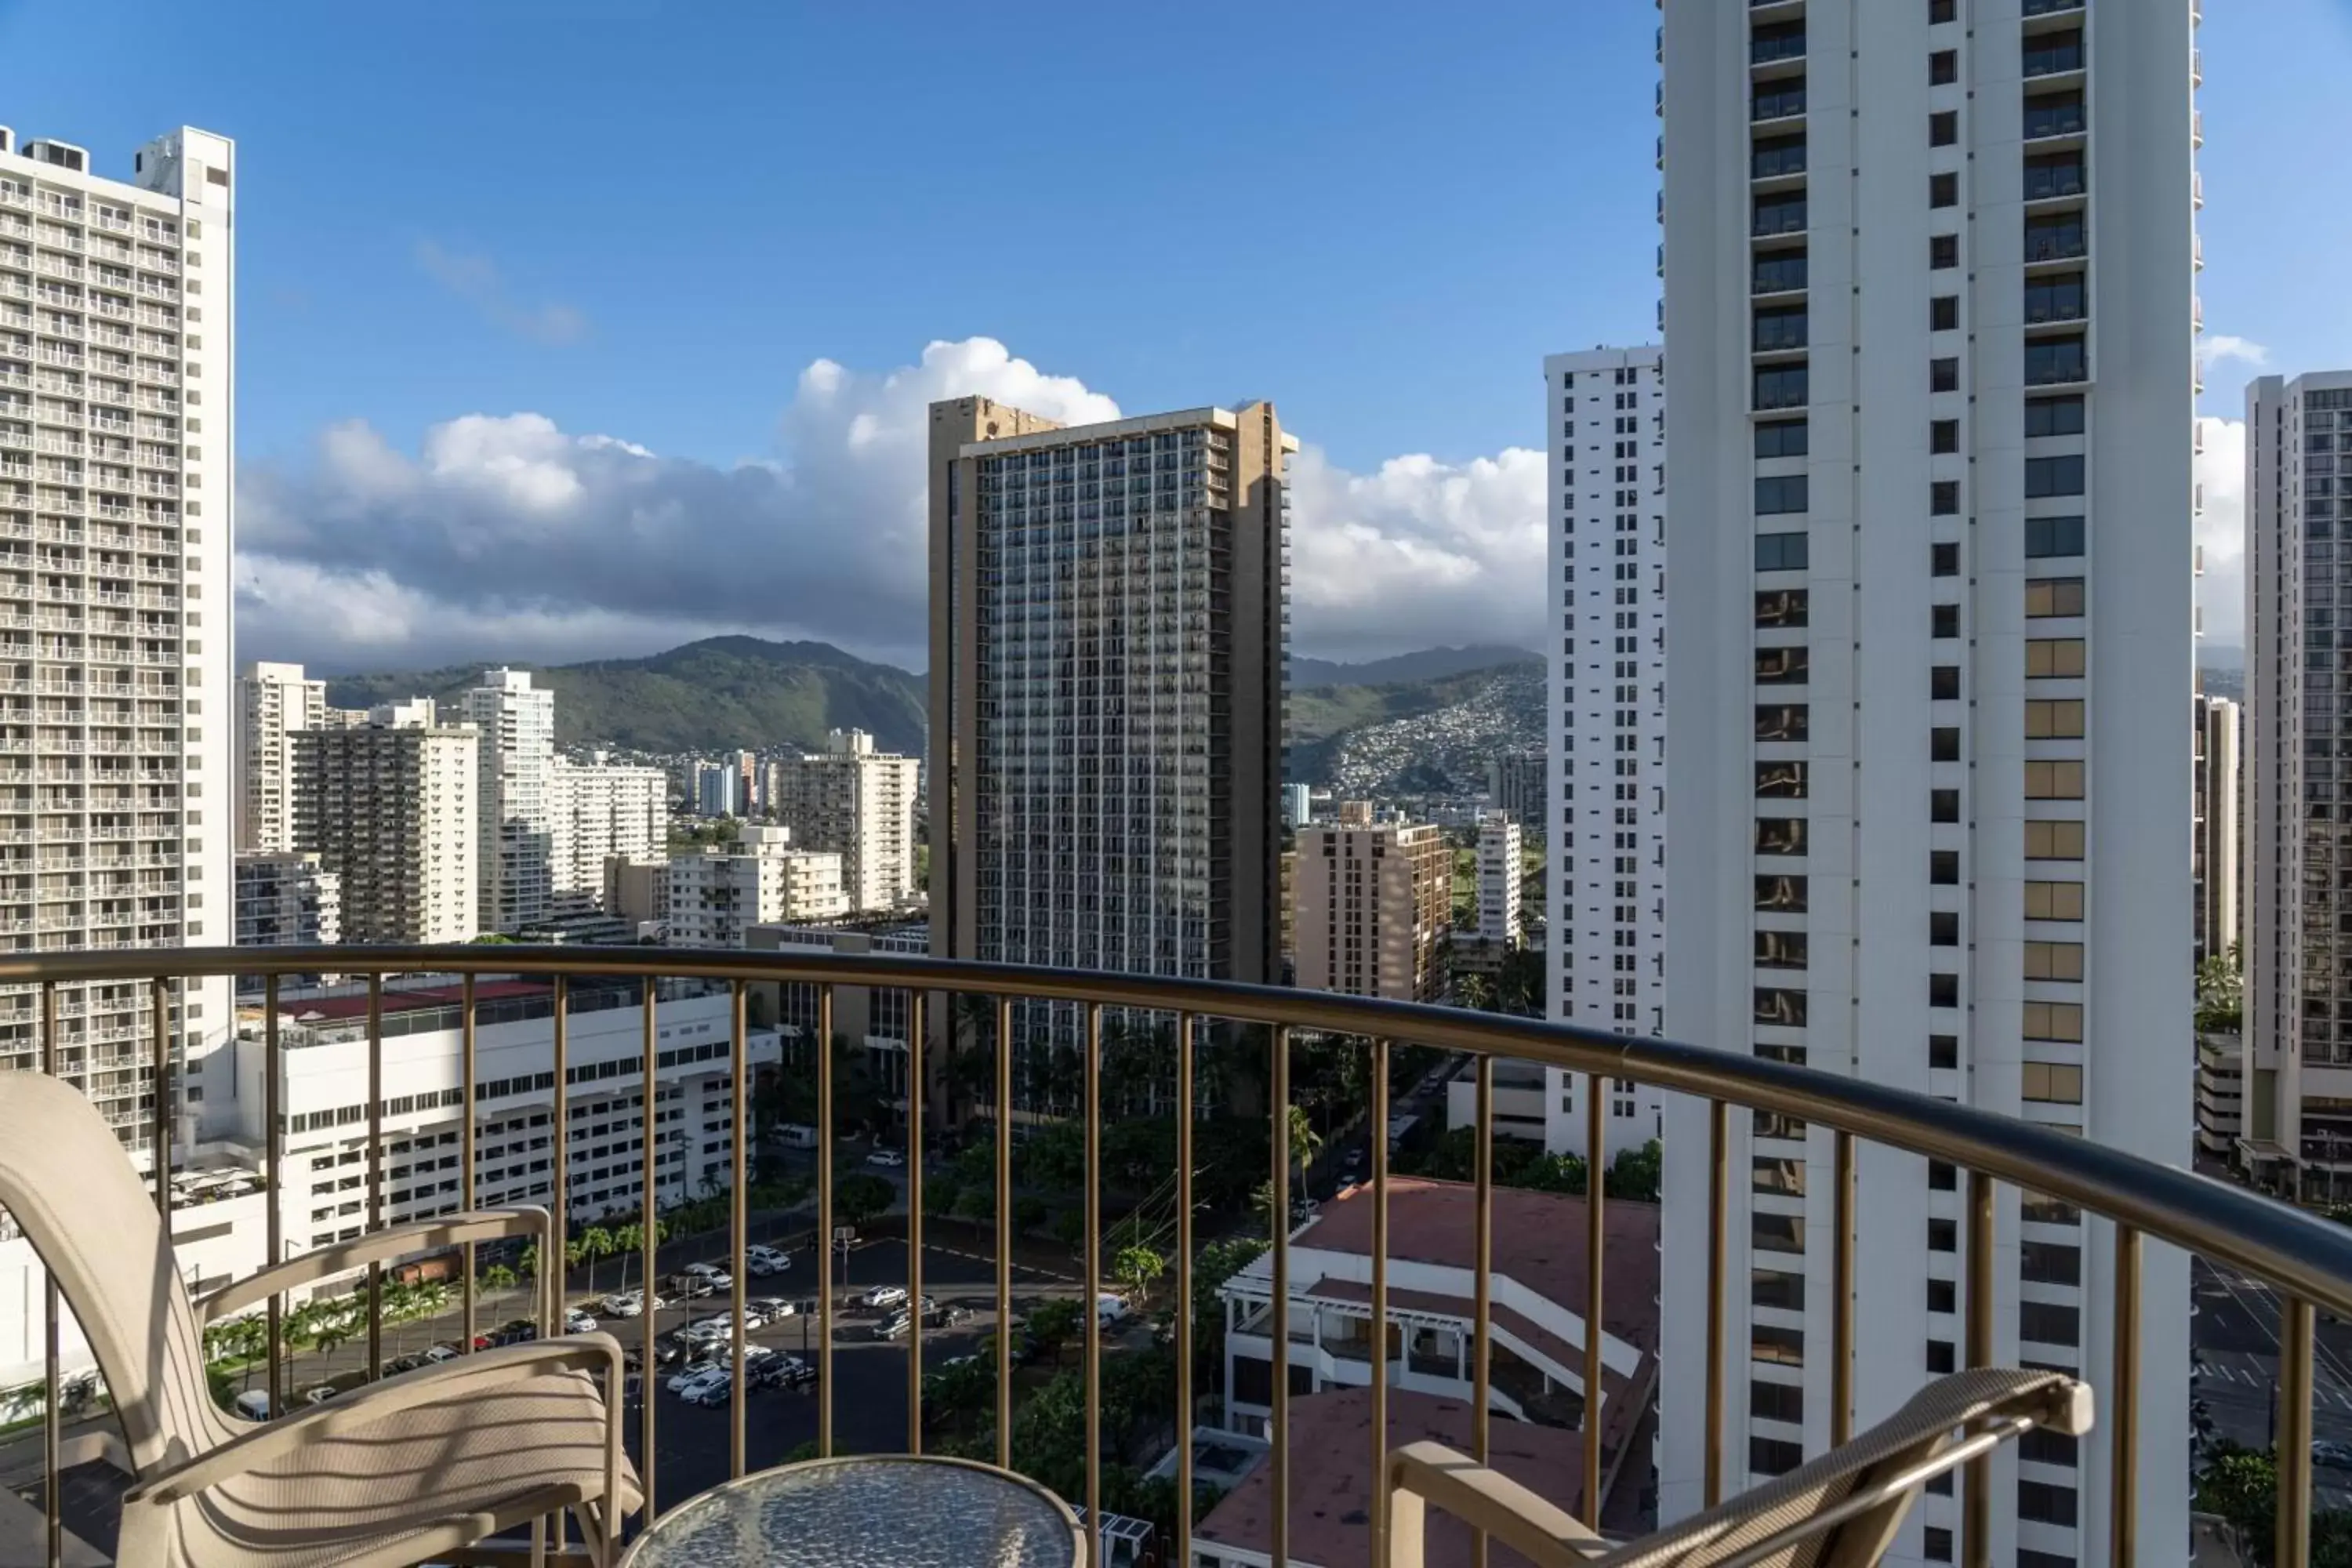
x=1330 y=1453
x=410 y=999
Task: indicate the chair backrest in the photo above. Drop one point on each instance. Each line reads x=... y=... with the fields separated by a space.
x=93 y=1225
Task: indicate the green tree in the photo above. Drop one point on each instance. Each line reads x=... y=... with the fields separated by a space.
x=1054 y=1324
x=939 y=1195
x=596 y=1244
x=1475 y=992
x=858 y=1198
x=498 y=1276
x=2221 y=994
x=1636 y=1173
x=1069 y=1228
x=1306 y=1143
x=1028 y=1212
x=2241 y=1484
x=1137 y=1267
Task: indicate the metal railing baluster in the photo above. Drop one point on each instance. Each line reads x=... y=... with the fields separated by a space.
x=1277 y=1226
x=1482 y=1243
x=1596 y=1237
x=1185 y=1023
x=649 y=1251
x=1380 y=1426
x=1976 y=1515
x=1093 y=1321
x=53 y=1508
x=915 y=1085
x=1842 y=1230
x=1004 y=1234
x=2123 y=1403
x=1718 y=1271
x=739 y=1227
x=468 y=1054
x=273 y=1136
x=824 y=1136
x=160 y=1120
x=375 y=1164
x=2291 y=1546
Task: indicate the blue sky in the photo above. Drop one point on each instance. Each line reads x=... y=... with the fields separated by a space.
x=646 y=221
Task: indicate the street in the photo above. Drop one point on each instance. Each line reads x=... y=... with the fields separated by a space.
x=2235 y=1333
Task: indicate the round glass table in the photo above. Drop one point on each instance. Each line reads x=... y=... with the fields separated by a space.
x=880 y=1511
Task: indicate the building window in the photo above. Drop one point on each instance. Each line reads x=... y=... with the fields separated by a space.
x=2049 y=1323
x=1776 y=1346
x=2060 y=476
x=2050 y=1263
x=1944 y=1051
x=1943 y=190
x=1780 y=836
x=1944 y=868
x=1943 y=67
x=1781 y=781
x=1780 y=1005
x=1779 y=950
x=2047 y=537
x=1782 y=722
x=2053 y=597
x=1782 y=438
x=1944 y=560
x=1942 y=1296
x=1944 y=313
x=1943 y=498
x=1944 y=620
x=2054 y=415
x=1943 y=1236
x=1776 y=1233
x=1941 y=11
x=1782 y=895
x=2054 y=719
x=2054 y=840
x=2053 y=1083
x=2060 y=1020
x=1942 y=375
x=2053 y=781
x=1782 y=665
x=2053 y=901
x=1779 y=328
x=1780 y=493
x=1781 y=552
x=1939 y=1352
x=2052 y=360
x=1780 y=607
x=1777 y=1289
x=1944 y=743
x=1943 y=928
x=1771 y=1457
x=1936 y=1542
x=1944 y=128
x=1781 y=386
x=1943 y=251
x=1944 y=683
x=2054 y=960
x=1777 y=1402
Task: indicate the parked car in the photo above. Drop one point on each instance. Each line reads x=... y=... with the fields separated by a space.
x=515 y=1331
x=888 y=1159
x=762 y=1261
x=576 y=1322
x=629 y=1304
x=710 y=1273
x=687 y=1287
x=445 y=1350
x=694 y=1375
x=891 y=1327
x=401 y=1364
x=711 y=1391
x=883 y=1296
x=1110 y=1309
x=321 y=1394
x=772 y=1308
x=253 y=1404
x=718 y=1326
x=945 y=1317
x=2332 y=1456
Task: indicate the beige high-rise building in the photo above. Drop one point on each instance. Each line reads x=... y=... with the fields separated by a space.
x=718 y=894
x=1108 y=636
x=858 y=803
x=273 y=700
x=1374 y=903
x=390 y=808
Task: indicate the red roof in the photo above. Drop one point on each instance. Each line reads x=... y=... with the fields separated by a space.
x=1331 y=1452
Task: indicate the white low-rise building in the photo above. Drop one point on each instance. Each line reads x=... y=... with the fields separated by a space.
x=718 y=895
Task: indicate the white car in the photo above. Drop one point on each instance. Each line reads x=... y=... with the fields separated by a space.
x=253 y=1404
x=710 y=1273
x=763 y=1261
x=623 y=1304
x=576 y=1322
x=883 y=1296
x=1110 y=1310
x=888 y=1159
x=436 y=1354
x=698 y=1375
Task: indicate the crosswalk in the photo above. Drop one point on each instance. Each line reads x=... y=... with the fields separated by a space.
x=2233 y=1373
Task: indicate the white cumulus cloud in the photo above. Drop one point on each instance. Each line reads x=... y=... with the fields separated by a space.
x=2221 y=531
x=505 y=535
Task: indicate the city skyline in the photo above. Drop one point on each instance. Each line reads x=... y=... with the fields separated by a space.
x=762 y=444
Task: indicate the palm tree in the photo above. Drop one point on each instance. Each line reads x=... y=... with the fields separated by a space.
x=1305 y=1142
x=597 y=1243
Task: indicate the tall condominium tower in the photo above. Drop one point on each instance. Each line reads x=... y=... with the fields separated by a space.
x=515 y=858
x=2298 y=957
x=2219 y=787
x=1929 y=276
x=390 y=808
x=118 y=406
x=858 y=803
x=273 y=700
x=1373 y=906
x=1605 y=879
x=1108 y=633
x=600 y=810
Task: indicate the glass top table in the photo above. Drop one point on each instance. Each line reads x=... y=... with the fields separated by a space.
x=881 y=1511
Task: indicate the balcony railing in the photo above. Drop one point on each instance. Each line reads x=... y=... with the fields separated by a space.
x=2128 y=1201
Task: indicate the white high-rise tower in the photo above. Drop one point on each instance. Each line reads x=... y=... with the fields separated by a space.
x=273 y=701
x=1929 y=286
x=117 y=407
x=516 y=804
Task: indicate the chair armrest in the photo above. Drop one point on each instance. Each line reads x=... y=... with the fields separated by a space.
x=1482 y=1498
x=468 y=1375
x=394 y=1241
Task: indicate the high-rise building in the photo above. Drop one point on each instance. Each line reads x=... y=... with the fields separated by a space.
x=273 y=700
x=749 y=782
x=287 y=901
x=1108 y=633
x=714 y=791
x=600 y=809
x=2297 y=959
x=718 y=894
x=118 y=325
x=390 y=808
x=1604 y=790
x=860 y=804
x=1930 y=549
x=1514 y=786
x=1500 y=869
x=515 y=859
x=1298 y=805
x=1374 y=906
x=2216 y=788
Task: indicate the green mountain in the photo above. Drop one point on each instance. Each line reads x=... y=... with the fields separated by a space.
x=718 y=694
x=1429 y=736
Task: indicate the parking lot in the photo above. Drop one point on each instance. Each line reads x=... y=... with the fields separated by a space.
x=869 y=1373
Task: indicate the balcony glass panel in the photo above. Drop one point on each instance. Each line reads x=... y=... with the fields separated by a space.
x=1776 y=100
x=2056 y=114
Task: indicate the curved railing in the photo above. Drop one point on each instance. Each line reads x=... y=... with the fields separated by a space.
x=2308 y=1260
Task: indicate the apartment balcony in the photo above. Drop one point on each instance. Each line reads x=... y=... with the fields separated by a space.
x=2116 y=1201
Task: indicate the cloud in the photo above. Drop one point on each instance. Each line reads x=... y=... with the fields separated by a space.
x=476 y=281
x=2221 y=531
x=504 y=535
x=2220 y=347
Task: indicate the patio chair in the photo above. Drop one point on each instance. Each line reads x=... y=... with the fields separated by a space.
x=394 y=1473
x=1840 y=1511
